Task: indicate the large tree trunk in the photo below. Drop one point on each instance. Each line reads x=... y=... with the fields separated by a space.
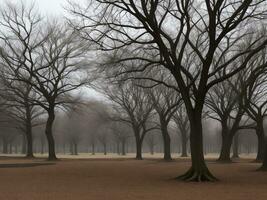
x=166 y=141
x=235 y=146
x=227 y=139
x=260 y=135
x=199 y=170
x=264 y=163
x=28 y=133
x=138 y=148
x=49 y=135
x=184 y=144
x=138 y=143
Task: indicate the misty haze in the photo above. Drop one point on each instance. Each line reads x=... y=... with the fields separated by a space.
x=129 y=100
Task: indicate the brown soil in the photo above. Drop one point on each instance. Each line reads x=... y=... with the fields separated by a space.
x=125 y=179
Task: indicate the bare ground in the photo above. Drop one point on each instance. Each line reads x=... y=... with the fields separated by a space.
x=125 y=179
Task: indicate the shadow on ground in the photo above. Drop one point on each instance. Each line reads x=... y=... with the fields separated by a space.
x=23 y=165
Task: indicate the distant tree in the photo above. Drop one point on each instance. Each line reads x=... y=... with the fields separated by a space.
x=134 y=106
x=166 y=102
x=48 y=59
x=181 y=120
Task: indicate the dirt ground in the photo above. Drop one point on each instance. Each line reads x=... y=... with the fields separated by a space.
x=125 y=179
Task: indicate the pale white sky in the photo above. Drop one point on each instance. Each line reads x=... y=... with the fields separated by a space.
x=50 y=7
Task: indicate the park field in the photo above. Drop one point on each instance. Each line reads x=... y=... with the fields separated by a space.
x=126 y=179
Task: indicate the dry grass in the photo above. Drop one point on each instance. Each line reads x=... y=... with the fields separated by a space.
x=125 y=179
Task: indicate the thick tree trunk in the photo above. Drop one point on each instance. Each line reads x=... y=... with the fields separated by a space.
x=199 y=171
x=28 y=133
x=264 y=163
x=166 y=142
x=138 y=149
x=29 y=153
x=235 y=146
x=227 y=139
x=49 y=136
x=184 y=144
x=260 y=136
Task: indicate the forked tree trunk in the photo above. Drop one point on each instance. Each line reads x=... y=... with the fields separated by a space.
x=199 y=171
x=49 y=136
x=260 y=136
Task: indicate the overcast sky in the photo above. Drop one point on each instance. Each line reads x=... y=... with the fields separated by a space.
x=55 y=8
x=50 y=7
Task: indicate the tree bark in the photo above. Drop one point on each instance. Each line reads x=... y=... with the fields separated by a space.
x=199 y=171
x=49 y=135
x=166 y=141
x=28 y=133
x=264 y=163
x=235 y=147
x=184 y=144
x=227 y=139
x=260 y=136
x=138 y=149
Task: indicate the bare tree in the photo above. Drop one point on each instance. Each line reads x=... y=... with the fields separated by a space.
x=134 y=107
x=166 y=102
x=168 y=28
x=48 y=60
x=181 y=120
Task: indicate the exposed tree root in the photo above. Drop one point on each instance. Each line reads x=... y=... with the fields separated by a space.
x=262 y=168
x=197 y=176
